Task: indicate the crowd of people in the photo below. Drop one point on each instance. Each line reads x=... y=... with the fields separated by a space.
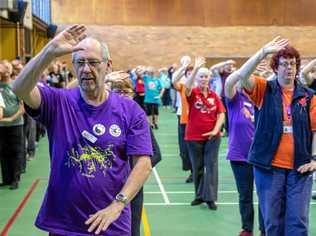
x=266 y=109
x=19 y=133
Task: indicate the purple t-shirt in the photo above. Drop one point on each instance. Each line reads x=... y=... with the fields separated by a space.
x=241 y=128
x=89 y=150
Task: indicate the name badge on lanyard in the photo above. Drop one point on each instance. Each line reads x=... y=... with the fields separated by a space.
x=287 y=129
x=289 y=112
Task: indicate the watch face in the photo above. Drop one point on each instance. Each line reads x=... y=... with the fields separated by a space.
x=121 y=198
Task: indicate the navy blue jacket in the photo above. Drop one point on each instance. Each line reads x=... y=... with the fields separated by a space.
x=269 y=126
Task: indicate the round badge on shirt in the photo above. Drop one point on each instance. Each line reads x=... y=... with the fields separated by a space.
x=98 y=129
x=115 y=130
x=152 y=85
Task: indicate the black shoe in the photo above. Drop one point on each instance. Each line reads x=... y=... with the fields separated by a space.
x=14 y=185
x=4 y=184
x=189 y=179
x=156 y=126
x=196 y=202
x=314 y=196
x=211 y=205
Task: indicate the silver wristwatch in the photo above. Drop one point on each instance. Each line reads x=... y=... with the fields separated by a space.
x=121 y=198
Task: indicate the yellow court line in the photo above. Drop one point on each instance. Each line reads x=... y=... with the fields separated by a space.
x=145 y=223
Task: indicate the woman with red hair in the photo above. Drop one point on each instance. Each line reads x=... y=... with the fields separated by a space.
x=283 y=150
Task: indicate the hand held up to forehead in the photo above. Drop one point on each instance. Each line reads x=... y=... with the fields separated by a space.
x=199 y=62
x=275 y=45
x=185 y=61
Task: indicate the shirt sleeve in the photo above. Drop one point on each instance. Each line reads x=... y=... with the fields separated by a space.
x=45 y=113
x=1 y=101
x=312 y=113
x=138 y=135
x=191 y=97
x=161 y=85
x=257 y=93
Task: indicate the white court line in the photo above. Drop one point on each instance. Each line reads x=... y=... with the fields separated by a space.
x=185 y=192
x=191 y=192
x=188 y=204
x=162 y=189
x=220 y=155
x=169 y=155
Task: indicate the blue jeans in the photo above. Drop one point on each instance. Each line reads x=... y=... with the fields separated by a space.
x=284 y=197
x=243 y=173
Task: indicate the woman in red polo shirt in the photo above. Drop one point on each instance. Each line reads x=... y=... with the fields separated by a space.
x=206 y=117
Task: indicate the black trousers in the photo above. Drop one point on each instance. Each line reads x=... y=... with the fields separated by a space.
x=243 y=173
x=183 y=147
x=136 y=209
x=140 y=100
x=11 y=153
x=204 y=158
x=29 y=134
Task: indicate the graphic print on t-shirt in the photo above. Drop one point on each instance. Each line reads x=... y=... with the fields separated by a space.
x=152 y=85
x=88 y=160
x=205 y=106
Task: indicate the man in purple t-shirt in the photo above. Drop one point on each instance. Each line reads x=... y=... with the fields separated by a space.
x=92 y=134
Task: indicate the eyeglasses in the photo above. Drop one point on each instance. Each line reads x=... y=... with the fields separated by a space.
x=286 y=64
x=123 y=92
x=91 y=63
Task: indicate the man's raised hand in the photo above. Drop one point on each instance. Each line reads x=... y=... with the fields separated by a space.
x=67 y=40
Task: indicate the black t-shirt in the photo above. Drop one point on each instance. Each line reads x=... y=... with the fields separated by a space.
x=313 y=85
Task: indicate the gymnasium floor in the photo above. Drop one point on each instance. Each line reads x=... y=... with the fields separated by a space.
x=167 y=209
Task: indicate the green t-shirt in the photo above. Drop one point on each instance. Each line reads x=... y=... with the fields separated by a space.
x=12 y=103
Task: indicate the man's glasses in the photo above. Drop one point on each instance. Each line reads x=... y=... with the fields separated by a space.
x=91 y=63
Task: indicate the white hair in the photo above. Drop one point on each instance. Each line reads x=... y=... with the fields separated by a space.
x=203 y=71
x=105 y=53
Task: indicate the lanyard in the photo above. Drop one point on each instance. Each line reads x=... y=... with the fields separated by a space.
x=287 y=108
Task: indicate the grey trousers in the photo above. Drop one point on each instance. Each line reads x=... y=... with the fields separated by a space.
x=204 y=159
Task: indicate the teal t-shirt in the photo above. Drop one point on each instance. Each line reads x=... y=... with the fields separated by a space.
x=12 y=104
x=165 y=80
x=153 y=87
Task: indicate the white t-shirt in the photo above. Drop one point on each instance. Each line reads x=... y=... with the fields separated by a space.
x=1 y=101
x=178 y=104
